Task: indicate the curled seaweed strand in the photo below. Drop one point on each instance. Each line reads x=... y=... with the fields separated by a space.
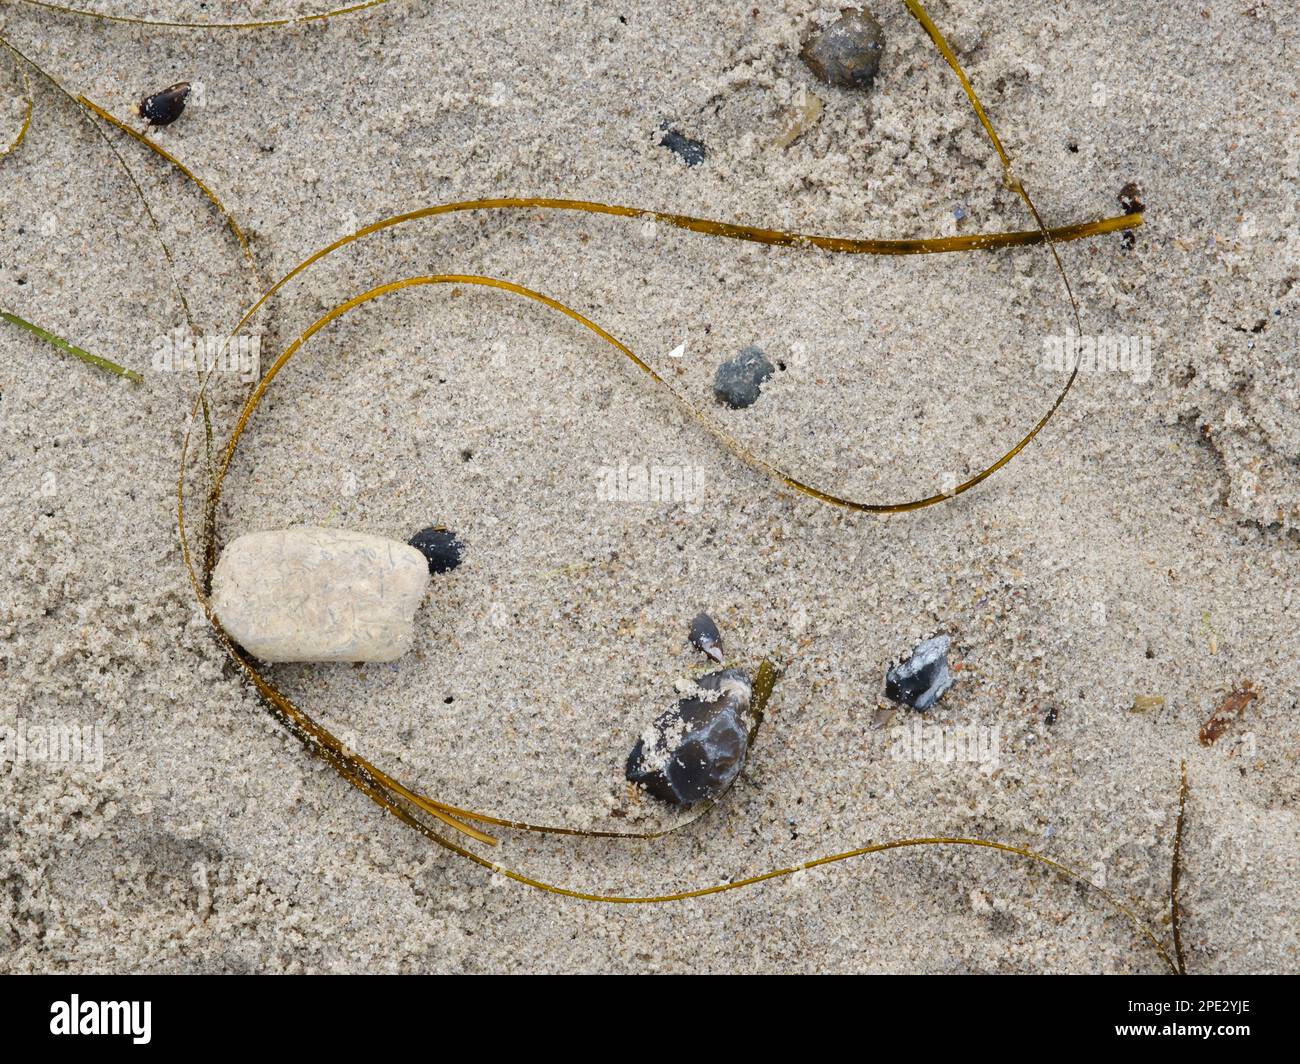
x=162 y=152
x=732 y=444
x=728 y=230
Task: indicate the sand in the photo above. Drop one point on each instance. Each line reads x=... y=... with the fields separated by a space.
x=1146 y=544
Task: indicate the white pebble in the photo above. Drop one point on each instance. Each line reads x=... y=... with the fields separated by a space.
x=319 y=594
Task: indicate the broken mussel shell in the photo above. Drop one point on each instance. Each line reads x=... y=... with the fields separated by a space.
x=923 y=678
x=692 y=152
x=440 y=546
x=165 y=106
x=706 y=638
x=694 y=752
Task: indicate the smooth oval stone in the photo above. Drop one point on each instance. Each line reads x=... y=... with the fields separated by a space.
x=319 y=594
x=847 y=52
x=695 y=750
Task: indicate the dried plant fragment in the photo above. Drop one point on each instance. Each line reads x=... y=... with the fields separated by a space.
x=1229 y=710
x=70 y=348
x=1176 y=875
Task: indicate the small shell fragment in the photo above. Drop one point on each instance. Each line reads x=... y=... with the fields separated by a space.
x=706 y=638
x=692 y=152
x=319 y=594
x=695 y=751
x=800 y=120
x=164 y=106
x=923 y=678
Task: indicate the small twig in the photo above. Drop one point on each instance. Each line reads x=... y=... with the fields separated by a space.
x=1175 y=874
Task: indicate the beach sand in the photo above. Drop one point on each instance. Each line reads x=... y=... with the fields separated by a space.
x=1147 y=543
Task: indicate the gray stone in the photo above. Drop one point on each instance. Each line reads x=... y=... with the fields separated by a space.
x=923 y=678
x=692 y=152
x=847 y=53
x=319 y=594
x=695 y=751
x=737 y=383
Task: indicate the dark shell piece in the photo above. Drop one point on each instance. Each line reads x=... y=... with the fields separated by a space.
x=1130 y=198
x=706 y=638
x=164 y=107
x=923 y=678
x=440 y=546
x=699 y=746
x=847 y=52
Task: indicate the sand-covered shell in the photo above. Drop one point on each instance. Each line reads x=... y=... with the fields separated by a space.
x=739 y=382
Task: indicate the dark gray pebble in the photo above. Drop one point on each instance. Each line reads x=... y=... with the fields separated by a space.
x=923 y=678
x=165 y=106
x=440 y=546
x=847 y=52
x=691 y=151
x=737 y=382
x=699 y=746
